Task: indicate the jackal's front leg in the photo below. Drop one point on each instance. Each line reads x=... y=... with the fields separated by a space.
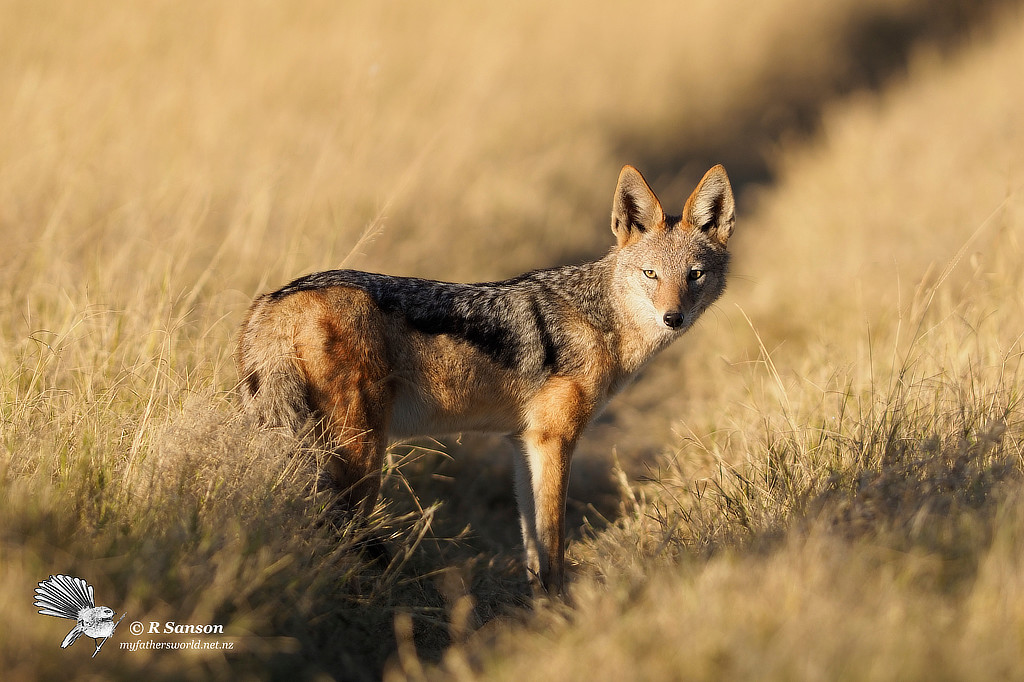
x=527 y=514
x=548 y=456
x=556 y=418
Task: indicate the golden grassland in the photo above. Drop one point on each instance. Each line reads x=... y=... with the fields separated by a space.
x=822 y=481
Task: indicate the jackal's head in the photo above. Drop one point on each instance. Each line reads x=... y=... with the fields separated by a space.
x=669 y=269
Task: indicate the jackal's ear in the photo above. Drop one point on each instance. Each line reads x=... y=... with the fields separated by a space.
x=711 y=207
x=635 y=209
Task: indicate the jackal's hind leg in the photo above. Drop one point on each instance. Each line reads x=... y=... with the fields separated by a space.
x=340 y=352
x=355 y=463
x=353 y=427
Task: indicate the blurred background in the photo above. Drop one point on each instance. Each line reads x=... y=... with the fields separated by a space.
x=210 y=151
x=162 y=163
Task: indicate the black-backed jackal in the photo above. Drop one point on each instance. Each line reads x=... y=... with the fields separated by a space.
x=367 y=356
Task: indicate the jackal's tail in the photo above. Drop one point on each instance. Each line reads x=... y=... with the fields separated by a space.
x=271 y=383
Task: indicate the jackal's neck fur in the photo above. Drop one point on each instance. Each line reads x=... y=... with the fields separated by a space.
x=594 y=292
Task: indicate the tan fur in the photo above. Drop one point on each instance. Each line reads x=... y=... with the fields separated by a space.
x=324 y=356
x=556 y=416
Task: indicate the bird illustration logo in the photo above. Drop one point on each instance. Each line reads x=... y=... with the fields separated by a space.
x=65 y=596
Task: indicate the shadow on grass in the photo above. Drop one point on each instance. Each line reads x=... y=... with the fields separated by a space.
x=903 y=479
x=473 y=551
x=869 y=52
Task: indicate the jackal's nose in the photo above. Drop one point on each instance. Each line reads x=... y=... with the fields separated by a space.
x=673 y=320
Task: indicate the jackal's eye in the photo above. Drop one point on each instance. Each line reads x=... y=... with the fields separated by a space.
x=650 y=274
x=695 y=274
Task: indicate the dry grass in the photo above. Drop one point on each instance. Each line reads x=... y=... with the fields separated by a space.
x=847 y=504
x=840 y=496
